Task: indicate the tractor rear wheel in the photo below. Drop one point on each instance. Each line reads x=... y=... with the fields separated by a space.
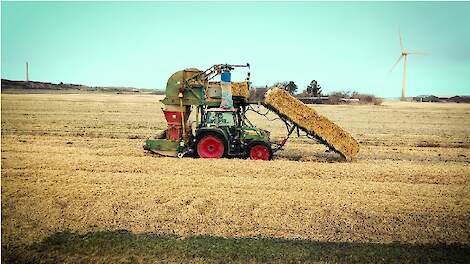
x=210 y=146
x=260 y=151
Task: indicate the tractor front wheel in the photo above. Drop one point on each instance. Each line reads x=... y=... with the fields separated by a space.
x=260 y=152
x=210 y=146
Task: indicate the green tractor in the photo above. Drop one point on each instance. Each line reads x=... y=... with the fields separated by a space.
x=221 y=128
x=227 y=132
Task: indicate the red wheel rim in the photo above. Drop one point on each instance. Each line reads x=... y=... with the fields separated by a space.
x=259 y=152
x=210 y=147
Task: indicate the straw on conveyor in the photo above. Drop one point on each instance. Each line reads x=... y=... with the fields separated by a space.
x=311 y=122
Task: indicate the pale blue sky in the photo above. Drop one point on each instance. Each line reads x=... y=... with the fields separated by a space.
x=343 y=45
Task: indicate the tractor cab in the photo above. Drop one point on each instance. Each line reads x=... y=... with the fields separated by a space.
x=236 y=123
x=220 y=117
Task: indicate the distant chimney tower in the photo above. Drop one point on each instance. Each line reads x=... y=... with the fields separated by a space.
x=27 y=72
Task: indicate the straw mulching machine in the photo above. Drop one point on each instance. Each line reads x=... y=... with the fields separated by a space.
x=220 y=127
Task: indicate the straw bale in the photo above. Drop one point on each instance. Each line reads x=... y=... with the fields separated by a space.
x=313 y=123
x=239 y=89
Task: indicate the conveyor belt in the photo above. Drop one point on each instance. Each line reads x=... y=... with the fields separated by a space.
x=312 y=123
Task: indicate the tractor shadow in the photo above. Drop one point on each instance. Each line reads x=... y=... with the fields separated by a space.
x=126 y=247
x=309 y=156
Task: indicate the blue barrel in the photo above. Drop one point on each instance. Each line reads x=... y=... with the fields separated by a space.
x=225 y=76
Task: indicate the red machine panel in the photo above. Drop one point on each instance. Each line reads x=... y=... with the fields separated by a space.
x=173 y=117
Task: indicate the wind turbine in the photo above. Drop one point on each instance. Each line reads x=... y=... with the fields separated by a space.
x=404 y=55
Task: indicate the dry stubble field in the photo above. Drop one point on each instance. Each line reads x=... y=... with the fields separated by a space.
x=75 y=162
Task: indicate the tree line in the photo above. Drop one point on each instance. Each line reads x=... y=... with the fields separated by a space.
x=313 y=89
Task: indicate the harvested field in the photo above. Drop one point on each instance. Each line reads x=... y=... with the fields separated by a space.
x=309 y=120
x=75 y=162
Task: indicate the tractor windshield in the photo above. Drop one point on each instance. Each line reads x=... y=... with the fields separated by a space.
x=220 y=118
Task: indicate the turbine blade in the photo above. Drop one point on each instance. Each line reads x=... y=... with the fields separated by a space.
x=401 y=41
x=419 y=53
x=394 y=65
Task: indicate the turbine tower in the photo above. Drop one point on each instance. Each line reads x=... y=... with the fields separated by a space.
x=27 y=72
x=404 y=55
